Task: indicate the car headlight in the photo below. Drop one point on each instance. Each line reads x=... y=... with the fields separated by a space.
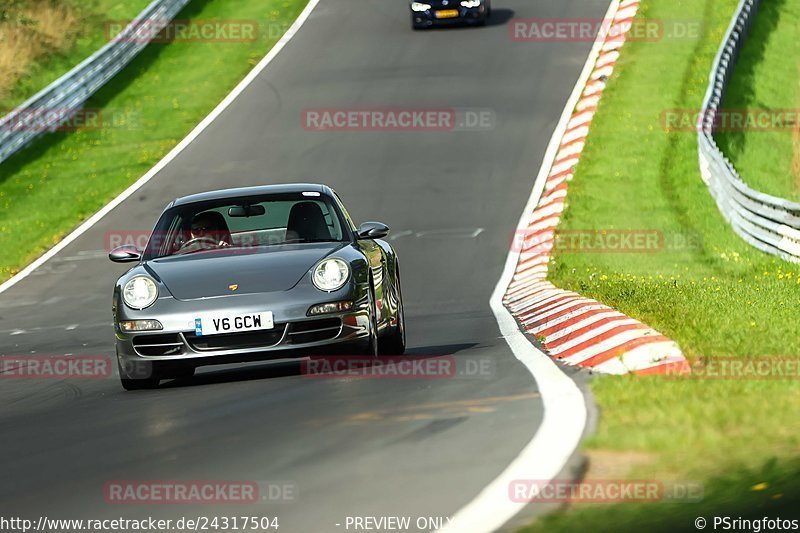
x=419 y=6
x=471 y=3
x=330 y=274
x=140 y=292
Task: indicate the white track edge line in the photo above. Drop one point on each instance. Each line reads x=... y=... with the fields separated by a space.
x=94 y=219
x=565 y=415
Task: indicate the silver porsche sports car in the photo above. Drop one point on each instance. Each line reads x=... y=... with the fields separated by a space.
x=254 y=273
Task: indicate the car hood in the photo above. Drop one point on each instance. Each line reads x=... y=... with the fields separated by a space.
x=212 y=274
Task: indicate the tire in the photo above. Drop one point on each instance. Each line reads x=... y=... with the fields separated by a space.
x=395 y=343
x=143 y=368
x=372 y=344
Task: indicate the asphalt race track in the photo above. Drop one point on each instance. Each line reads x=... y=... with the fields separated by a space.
x=348 y=447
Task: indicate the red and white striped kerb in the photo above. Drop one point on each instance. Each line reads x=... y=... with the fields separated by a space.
x=574 y=329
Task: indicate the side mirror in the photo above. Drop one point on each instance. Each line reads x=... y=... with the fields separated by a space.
x=125 y=254
x=372 y=230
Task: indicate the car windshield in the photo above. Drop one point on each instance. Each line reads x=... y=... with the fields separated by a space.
x=250 y=223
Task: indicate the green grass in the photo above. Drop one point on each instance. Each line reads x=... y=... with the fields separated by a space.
x=767 y=77
x=734 y=437
x=147 y=109
x=717 y=297
x=91 y=37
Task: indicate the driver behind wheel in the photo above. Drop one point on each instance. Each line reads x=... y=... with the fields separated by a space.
x=207 y=231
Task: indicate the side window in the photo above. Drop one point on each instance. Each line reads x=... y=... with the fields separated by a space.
x=172 y=238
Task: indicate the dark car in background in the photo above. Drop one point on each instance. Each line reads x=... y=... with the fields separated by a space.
x=254 y=273
x=429 y=13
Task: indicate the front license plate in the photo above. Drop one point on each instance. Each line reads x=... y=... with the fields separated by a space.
x=215 y=324
x=446 y=14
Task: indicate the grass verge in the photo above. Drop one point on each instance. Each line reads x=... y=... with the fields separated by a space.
x=146 y=110
x=705 y=288
x=40 y=40
x=767 y=77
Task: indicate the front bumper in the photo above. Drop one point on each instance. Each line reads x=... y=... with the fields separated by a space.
x=466 y=15
x=294 y=333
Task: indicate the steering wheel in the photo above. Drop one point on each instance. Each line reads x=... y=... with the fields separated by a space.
x=199 y=243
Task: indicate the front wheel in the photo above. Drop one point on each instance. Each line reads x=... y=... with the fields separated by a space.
x=372 y=342
x=395 y=343
x=145 y=376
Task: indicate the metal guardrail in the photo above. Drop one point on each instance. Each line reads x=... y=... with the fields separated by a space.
x=59 y=101
x=769 y=223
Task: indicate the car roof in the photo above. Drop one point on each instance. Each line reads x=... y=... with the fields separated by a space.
x=238 y=192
